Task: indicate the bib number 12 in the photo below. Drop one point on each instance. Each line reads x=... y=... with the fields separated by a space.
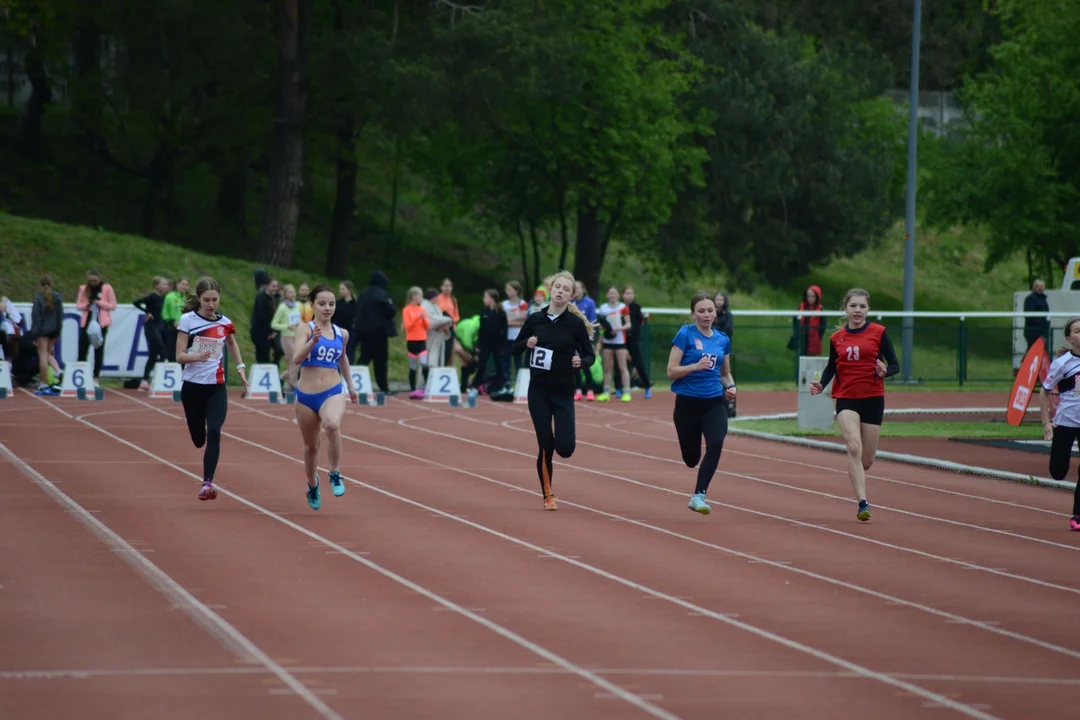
x=541 y=358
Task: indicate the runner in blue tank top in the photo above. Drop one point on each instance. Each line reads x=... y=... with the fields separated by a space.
x=324 y=375
x=700 y=367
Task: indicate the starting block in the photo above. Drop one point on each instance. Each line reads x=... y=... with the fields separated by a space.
x=442 y=384
x=289 y=398
x=166 y=381
x=262 y=381
x=3 y=393
x=79 y=382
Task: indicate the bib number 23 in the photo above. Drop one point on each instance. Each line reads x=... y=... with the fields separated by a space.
x=541 y=358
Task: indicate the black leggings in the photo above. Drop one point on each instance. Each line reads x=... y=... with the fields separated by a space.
x=205 y=407
x=155 y=344
x=99 y=353
x=545 y=408
x=1060 y=456
x=695 y=417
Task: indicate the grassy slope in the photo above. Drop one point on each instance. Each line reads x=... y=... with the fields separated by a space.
x=929 y=429
x=30 y=247
x=950 y=276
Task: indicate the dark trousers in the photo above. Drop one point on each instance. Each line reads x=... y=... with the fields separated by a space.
x=205 y=407
x=99 y=353
x=547 y=409
x=633 y=347
x=375 y=349
x=494 y=356
x=170 y=342
x=694 y=418
x=155 y=343
x=263 y=345
x=1060 y=457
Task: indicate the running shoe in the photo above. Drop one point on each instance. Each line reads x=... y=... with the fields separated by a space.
x=1074 y=523
x=648 y=393
x=864 y=510
x=698 y=504
x=549 y=502
x=336 y=484
x=590 y=396
x=603 y=397
x=208 y=492
x=626 y=397
x=577 y=395
x=313 y=498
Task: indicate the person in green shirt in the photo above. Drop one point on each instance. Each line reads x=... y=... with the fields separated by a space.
x=466 y=332
x=171 y=311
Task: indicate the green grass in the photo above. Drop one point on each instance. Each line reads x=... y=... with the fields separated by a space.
x=918 y=429
x=32 y=247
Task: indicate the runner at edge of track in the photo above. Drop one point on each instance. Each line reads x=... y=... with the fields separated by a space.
x=559 y=341
x=320 y=354
x=201 y=337
x=699 y=367
x=856 y=350
x=1065 y=428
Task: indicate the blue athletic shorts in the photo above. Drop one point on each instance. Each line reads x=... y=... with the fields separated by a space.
x=315 y=400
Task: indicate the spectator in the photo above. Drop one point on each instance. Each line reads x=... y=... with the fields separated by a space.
x=375 y=326
x=171 y=311
x=491 y=340
x=517 y=309
x=809 y=328
x=345 y=316
x=449 y=305
x=46 y=321
x=153 y=305
x=285 y=321
x=723 y=321
x=439 y=332
x=96 y=301
x=262 y=315
x=10 y=329
x=1037 y=327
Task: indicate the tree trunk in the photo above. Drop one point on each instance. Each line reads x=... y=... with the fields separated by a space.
x=86 y=100
x=40 y=96
x=524 y=255
x=536 y=258
x=278 y=235
x=588 y=253
x=394 y=186
x=231 y=205
x=337 y=255
x=158 y=178
x=10 y=75
x=564 y=232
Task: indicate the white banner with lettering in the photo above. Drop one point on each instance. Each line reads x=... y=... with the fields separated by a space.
x=125 y=345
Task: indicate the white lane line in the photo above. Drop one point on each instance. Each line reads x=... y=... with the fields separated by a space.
x=500 y=630
x=209 y=620
x=726 y=619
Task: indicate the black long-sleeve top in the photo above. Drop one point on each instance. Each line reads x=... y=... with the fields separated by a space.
x=563 y=336
x=886 y=352
x=152 y=305
x=493 y=327
x=637 y=319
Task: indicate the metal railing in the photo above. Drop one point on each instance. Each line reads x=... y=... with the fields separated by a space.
x=949 y=347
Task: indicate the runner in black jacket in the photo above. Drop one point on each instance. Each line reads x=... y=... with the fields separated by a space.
x=559 y=341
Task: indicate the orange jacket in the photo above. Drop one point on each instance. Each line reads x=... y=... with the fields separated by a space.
x=416 y=322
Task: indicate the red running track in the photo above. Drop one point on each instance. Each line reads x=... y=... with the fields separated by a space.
x=438 y=587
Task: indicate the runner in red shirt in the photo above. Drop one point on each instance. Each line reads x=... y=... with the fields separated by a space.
x=861 y=356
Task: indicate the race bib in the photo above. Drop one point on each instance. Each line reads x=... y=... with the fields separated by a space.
x=711 y=358
x=294 y=318
x=210 y=345
x=541 y=358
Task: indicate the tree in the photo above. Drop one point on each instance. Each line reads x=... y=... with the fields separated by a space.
x=282 y=209
x=804 y=154
x=1016 y=170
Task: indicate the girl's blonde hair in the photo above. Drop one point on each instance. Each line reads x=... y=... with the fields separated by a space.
x=1062 y=349
x=413 y=292
x=286 y=288
x=853 y=292
x=205 y=284
x=565 y=275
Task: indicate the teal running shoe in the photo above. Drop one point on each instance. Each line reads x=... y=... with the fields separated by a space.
x=336 y=485
x=313 y=498
x=698 y=505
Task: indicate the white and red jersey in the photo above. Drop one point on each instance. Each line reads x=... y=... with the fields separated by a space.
x=206 y=335
x=616 y=315
x=515 y=309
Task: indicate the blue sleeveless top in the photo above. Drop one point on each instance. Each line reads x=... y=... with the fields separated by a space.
x=327 y=351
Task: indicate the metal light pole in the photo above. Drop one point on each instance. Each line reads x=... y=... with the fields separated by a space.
x=908 y=341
